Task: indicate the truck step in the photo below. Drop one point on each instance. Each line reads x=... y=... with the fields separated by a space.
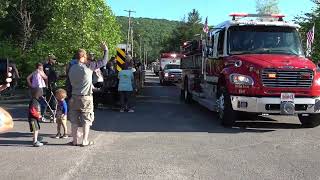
x=199 y=95
x=208 y=103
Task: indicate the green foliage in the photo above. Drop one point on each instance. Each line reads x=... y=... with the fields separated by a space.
x=84 y=24
x=60 y=27
x=306 y=22
x=3 y=8
x=152 y=33
x=185 y=31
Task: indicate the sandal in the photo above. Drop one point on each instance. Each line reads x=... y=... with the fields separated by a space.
x=89 y=144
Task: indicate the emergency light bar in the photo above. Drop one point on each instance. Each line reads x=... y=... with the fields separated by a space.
x=234 y=15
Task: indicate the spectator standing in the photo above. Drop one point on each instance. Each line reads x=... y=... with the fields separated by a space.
x=50 y=71
x=81 y=103
x=97 y=76
x=125 y=88
x=36 y=80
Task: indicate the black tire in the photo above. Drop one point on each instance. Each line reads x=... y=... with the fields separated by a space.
x=186 y=94
x=227 y=115
x=162 y=82
x=182 y=95
x=311 y=121
x=247 y=116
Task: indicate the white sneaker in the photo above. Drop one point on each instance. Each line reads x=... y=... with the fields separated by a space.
x=37 y=144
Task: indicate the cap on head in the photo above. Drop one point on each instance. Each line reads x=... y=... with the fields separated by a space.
x=52 y=57
x=91 y=56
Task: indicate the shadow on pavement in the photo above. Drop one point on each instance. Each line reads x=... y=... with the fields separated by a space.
x=15 y=143
x=162 y=116
x=21 y=134
x=10 y=139
x=268 y=125
x=161 y=110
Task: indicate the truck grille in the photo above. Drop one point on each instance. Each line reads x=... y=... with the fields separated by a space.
x=176 y=74
x=301 y=78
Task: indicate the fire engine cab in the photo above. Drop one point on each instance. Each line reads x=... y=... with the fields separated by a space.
x=244 y=68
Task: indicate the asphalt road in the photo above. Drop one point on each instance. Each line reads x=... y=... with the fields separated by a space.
x=164 y=139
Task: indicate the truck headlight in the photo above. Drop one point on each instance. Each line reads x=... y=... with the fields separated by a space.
x=166 y=74
x=241 y=79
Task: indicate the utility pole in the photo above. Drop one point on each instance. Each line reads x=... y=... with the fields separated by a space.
x=132 y=42
x=129 y=28
x=140 y=45
x=144 y=54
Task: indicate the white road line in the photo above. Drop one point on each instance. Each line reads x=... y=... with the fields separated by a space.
x=79 y=161
x=87 y=151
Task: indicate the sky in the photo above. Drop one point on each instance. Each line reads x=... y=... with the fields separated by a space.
x=216 y=10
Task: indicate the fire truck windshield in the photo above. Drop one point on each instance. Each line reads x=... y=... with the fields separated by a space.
x=264 y=40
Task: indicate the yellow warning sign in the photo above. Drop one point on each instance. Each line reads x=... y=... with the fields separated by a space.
x=121 y=58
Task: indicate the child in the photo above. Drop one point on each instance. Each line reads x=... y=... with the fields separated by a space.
x=62 y=111
x=34 y=115
x=125 y=88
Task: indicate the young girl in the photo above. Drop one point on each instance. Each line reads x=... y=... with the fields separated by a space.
x=34 y=115
x=36 y=80
x=62 y=111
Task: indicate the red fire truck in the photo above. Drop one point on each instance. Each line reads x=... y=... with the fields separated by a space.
x=245 y=68
x=170 y=68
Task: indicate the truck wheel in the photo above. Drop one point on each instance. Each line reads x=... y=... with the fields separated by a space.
x=311 y=121
x=247 y=116
x=187 y=95
x=162 y=82
x=227 y=115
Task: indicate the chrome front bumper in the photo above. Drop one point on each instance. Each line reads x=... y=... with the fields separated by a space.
x=271 y=105
x=172 y=79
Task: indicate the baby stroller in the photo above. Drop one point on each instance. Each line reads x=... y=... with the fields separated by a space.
x=51 y=106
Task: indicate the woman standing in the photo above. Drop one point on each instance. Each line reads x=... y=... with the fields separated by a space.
x=37 y=79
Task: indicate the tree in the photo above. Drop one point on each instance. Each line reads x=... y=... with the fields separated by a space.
x=31 y=29
x=267 y=6
x=185 y=31
x=3 y=8
x=151 y=33
x=307 y=21
x=79 y=24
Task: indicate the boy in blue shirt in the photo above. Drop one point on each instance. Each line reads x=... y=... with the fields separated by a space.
x=125 y=88
x=62 y=111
